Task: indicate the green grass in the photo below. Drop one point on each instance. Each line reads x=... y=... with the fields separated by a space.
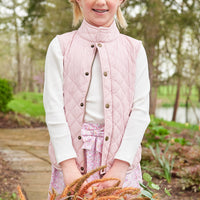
x=8 y=196
x=29 y=104
x=166 y=94
x=166 y=90
x=175 y=126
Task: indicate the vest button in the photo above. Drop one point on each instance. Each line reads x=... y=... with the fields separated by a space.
x=82 y=168
x=105 y=73
x=92 y=46
x=81 y=104
x=86 y=73
x=99 y=45
x=106 y=138
x=79 y=137
x=107 y=105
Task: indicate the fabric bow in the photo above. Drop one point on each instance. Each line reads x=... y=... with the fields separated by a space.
x=92 y=140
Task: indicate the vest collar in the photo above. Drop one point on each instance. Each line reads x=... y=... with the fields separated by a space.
x=98 y=34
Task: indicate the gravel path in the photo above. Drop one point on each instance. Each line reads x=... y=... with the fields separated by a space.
x=27 y=152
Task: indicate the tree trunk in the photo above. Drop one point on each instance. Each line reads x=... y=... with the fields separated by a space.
x=153 y=100
x=198 y=88
x=152 y=36
x=179 y=73
x=186 y=109
x=176 y=104
x=31 y=88
x=19 y=78
x=187 y=102
x=151 y=76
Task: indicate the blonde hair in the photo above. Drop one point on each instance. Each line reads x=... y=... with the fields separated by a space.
x=120 y=19
x=78 y=16
x=77 y=13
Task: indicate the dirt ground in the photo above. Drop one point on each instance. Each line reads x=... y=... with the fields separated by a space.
x=185 y=180
x=9 y=178
x=13 y=120
x=184 y=185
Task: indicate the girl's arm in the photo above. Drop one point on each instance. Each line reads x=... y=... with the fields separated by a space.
x=139 y=118
x=137 y=123
x=54 y=107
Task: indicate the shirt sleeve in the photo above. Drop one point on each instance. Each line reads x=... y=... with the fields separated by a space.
x=54 y=104
x=139 y=118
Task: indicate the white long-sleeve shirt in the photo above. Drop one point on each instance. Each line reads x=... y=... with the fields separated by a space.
x=94 y=100
x=58 y=127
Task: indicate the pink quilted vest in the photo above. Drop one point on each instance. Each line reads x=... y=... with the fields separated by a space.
x=118 y=54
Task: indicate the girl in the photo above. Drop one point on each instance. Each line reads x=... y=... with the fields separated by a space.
x=96 y=98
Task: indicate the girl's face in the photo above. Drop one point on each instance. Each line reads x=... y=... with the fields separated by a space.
x=99 y=12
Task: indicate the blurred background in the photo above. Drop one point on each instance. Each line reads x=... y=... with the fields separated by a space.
x=170 y=32
x=169 y=29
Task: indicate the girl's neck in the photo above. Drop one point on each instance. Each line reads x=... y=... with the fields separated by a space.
x=98 y=34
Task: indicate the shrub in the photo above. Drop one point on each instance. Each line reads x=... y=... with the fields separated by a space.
x=6 y=94
x=165 y=160
x=156 y=135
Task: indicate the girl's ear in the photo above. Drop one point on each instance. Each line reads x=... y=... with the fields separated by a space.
x=79 y=2
x=121 y=1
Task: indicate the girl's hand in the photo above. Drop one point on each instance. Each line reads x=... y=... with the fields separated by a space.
x=70 y=171
x=118 y=170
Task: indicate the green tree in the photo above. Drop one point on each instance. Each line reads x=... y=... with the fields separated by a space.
x=11 y=21
x=185 y=18
x=147 y=24
x=162 y=26
x=45 y=20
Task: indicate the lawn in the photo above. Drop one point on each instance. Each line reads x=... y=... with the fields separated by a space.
x=167 y=94
x=29 y=104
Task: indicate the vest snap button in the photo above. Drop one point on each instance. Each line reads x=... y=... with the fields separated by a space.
x=106 y=138
x=82 y=168
x=79 y=137
x=82 y=104
x=105 y=73
x=99 y=45
x=107 y=106
x=86 y=73
x=92 y=46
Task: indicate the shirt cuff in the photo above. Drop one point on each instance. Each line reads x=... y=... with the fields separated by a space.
x=62 y=147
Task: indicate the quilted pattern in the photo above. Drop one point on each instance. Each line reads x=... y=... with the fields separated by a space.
x=117 y=57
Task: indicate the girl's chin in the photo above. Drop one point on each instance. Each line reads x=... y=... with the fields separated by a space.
x=101 y=22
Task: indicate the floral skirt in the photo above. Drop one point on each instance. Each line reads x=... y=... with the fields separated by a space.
x=93 y=135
